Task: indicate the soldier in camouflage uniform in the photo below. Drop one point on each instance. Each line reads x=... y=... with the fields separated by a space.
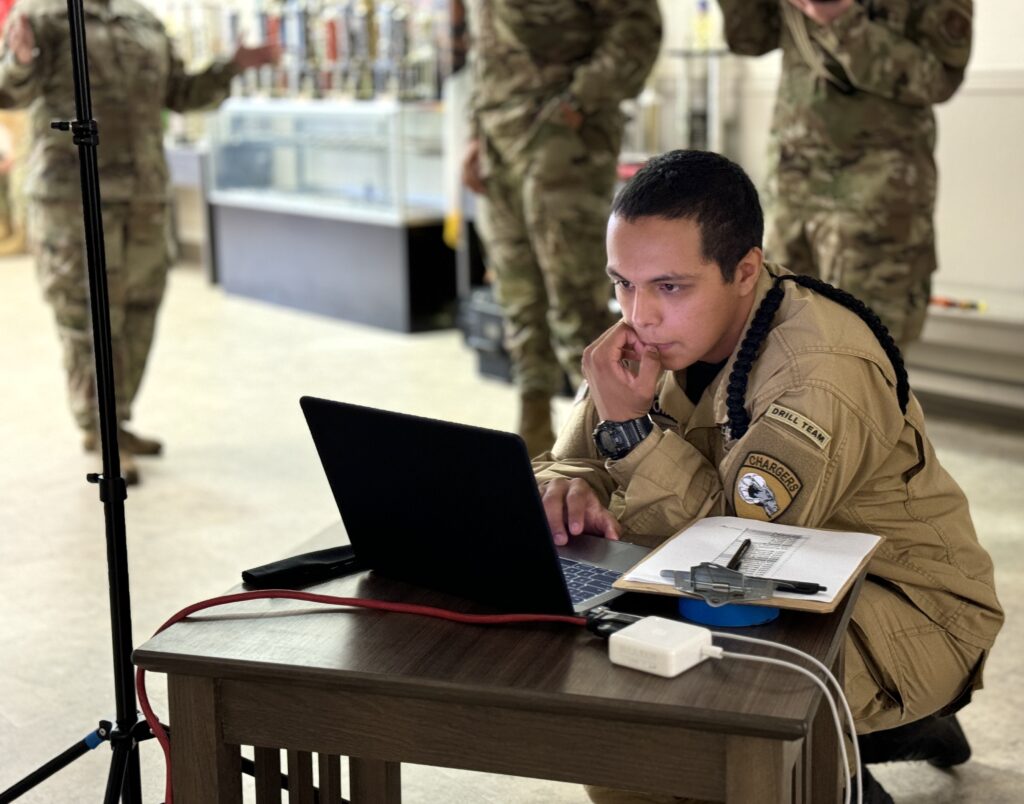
x=852 y=188
x=134 y=76
x=549 y=76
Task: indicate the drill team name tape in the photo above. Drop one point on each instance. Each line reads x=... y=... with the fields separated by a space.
x=818 y=435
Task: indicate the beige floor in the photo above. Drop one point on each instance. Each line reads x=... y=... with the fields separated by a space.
x=240 y=485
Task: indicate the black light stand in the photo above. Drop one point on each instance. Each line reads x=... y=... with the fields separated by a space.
x=124 y=734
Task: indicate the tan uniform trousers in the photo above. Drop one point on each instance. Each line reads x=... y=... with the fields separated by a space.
x=885 y=259
x=137 y=259
x=543 y=228
x=900 y=667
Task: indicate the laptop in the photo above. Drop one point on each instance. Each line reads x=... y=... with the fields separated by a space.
x=456 y=508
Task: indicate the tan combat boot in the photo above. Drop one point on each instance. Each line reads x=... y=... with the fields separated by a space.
x=129 y=469
x=140 y=445
x=126 y=439
x=535 y=422
x=13 y=243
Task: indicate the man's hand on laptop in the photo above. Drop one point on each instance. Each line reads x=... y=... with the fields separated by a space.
x=572 y=508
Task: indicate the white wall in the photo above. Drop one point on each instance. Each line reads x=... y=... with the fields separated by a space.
x=997 y=35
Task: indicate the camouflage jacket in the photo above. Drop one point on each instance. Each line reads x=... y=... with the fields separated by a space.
x=529 y=55
x=853 y=119
x=134 y=75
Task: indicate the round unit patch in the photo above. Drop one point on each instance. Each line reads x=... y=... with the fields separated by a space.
x=765 y=488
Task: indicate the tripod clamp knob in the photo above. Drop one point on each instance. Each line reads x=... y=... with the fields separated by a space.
x=86 y=132
x=106 y=485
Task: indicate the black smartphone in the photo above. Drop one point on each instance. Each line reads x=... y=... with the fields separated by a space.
x=302 y=570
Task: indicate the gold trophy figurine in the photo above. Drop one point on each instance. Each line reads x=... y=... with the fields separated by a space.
x=363 y=49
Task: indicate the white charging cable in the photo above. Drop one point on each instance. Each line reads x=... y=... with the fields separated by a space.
x=716 y=652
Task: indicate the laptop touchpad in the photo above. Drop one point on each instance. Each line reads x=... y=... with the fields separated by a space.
x=619 y=556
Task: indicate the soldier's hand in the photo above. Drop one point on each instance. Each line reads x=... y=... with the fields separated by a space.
x=824 y=12
x=22 y=41
x=471 y=167
x=572 y=508
x=622 y=373
x=248 y=57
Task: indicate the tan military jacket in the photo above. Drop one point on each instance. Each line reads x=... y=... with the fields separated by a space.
x=134 y=76
x=853 y=118
x=527 y=55
x=827 y=447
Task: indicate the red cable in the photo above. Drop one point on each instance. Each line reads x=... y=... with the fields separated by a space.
x=381 y=605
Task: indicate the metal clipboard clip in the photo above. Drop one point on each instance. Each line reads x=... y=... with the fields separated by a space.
x=718 y=585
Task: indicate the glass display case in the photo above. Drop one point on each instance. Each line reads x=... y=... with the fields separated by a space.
x=333 y=206
x=378 y=161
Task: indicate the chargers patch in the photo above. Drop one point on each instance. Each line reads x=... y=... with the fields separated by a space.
x=819 y=436
x=765 y=488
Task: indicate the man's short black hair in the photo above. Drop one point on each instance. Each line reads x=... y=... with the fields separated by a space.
x=706 y=188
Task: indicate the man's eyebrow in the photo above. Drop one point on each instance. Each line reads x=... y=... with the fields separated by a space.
x=656 y=279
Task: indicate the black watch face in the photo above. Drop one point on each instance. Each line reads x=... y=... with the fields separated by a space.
x=616 y=439
x=611 y=440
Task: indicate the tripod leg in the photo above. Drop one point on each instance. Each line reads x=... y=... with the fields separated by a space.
x=132 y=791
x=46 y=771
x=118 y=772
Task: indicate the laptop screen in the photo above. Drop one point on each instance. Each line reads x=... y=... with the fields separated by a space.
x=444 y=505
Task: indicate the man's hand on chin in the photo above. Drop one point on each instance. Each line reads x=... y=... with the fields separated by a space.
x=622 y=372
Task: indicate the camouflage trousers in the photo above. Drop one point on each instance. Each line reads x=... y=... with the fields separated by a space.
x=8 y=224
x=543 y=226
x=137 y=257
x=899 y=667
x=884 y=258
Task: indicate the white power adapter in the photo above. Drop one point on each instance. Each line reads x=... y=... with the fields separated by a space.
x=659 y=646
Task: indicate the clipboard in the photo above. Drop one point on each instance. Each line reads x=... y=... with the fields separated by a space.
x=834 y=559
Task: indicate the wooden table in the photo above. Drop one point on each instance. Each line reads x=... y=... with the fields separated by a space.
x=529 y=700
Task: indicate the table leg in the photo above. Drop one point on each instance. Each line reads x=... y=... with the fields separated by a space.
x=205 y=770
x=758 y=770
x=374 y=781
x=823 y=758
x=823 y=774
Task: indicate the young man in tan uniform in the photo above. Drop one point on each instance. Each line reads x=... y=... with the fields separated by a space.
x=732 y=386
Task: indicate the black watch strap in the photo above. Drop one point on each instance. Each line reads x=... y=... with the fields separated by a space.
x=616 y=440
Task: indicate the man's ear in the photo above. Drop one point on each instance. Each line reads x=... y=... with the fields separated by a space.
x=748 y=270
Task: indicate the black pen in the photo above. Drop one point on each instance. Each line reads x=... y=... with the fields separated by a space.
x=737 y=557
x=798 y=587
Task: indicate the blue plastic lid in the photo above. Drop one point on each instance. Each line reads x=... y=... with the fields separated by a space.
x=731 y=615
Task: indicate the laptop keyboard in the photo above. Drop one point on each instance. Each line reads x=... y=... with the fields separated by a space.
x=586 y=581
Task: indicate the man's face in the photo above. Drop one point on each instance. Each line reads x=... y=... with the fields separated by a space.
x=670 y=297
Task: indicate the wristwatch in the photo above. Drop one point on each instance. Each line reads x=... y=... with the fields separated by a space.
x=616 y=440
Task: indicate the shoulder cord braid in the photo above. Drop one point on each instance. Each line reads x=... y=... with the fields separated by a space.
x=739 y=419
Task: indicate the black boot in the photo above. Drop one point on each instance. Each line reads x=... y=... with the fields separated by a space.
x=874 y=793
x=939 y=740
